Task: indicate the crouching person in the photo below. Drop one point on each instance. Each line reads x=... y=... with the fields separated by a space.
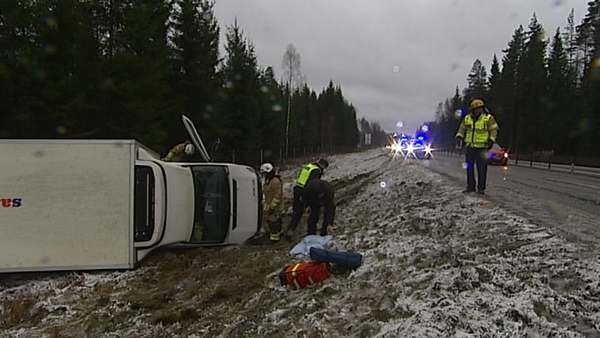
x=273 y=204
x=318 y=193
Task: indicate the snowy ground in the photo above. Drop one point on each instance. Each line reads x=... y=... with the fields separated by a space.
x=437 y=263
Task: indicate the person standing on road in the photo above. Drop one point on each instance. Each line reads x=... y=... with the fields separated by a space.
x=308 y=173
x=273 y=204
x=316 y=194
x=180 y=151
x=477 y=132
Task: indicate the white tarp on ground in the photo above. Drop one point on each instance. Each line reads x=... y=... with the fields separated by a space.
x=310 y=241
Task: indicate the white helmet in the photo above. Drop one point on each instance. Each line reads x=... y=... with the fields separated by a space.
x=189 y=149
x=266 y=168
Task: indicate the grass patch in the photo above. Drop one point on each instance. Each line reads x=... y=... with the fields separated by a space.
x=19 y=310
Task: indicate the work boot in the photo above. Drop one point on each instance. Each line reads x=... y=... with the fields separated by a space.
x=275 y=227
x=468 y=191
x=480 y=192
x=274 y=236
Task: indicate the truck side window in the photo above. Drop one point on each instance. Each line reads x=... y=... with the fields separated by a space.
x=143 y=215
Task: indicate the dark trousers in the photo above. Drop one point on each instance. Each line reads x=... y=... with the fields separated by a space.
x=313 y=219
x=297 y=207
x=476 y=156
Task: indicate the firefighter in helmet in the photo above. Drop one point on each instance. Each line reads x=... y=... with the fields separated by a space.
x=273 y=203
x=180 y=152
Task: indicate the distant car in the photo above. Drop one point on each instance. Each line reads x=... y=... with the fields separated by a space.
x=498 y=155
x=419 y=149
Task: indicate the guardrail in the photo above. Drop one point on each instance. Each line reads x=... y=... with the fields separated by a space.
x=538 y=163
x=571 y=169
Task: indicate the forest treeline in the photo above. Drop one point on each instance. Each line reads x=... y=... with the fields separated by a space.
x=544 y=92
x=116 y=69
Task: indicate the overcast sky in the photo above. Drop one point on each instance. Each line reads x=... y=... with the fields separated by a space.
x=395 y=60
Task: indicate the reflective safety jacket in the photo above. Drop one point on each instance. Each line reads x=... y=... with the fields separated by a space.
x=308 y=173
x=476 y=132
x=273 y=190
x=176 y=154
x=273 y=204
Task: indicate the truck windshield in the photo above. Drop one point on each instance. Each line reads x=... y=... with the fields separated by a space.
x=212 y=204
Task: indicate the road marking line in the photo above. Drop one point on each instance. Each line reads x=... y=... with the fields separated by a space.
x=579 y=184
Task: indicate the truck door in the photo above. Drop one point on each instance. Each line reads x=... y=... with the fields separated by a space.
x=191 y=129
x=212 y=206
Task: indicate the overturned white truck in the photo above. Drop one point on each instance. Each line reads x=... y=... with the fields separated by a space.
x=106 y=204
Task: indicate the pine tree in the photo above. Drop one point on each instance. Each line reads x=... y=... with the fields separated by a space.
x=327 y=115
x=195 y=44
x=587 y=33
x=493 y=100
x=494 y=74
x=20 y=74
x=239 y=113
x=336 y=119
x=588 y=39
x=561 y=90
x=509 y=87
x=448 y=116
x=350 y=137
x=304 y=126
x=52 y=68
x=572 y=50
x=477 y=82
x=455 y=112
x=137 y=104
x=272 y=122
x=534 y=81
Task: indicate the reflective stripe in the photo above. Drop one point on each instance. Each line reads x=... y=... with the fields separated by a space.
x=479 y=144
x=294 y=269
x=274 y=203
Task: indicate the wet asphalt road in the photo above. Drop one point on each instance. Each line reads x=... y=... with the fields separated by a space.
x=568 y=202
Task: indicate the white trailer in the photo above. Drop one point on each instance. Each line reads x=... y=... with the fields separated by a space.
x=105 y=204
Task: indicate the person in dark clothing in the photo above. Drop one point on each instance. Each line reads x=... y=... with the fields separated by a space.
x=318 y=193
x=308 y=173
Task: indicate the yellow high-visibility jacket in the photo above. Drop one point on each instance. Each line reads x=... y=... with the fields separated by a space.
x=305 y=174
x=476 y=133
x=176 y=154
